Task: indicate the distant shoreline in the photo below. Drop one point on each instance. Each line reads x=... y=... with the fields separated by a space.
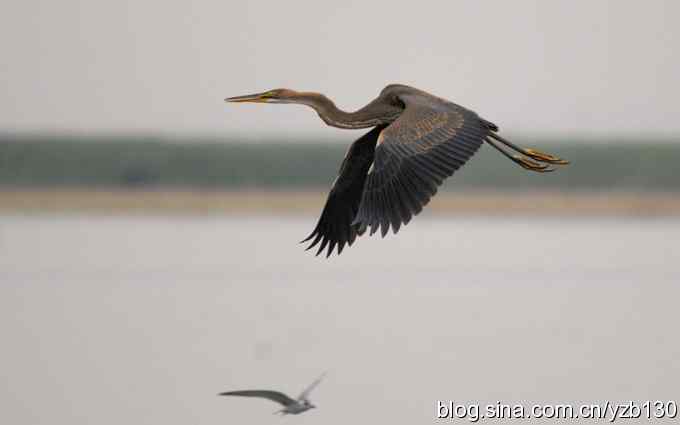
x=267 y=202
x=147 y=163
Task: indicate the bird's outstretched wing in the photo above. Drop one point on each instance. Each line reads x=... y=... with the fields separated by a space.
x=335 y=224
x=429 y=141
x=304 y=394
x=276 y=396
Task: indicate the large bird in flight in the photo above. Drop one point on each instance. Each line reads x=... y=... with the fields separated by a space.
x=390 y=173
x=290 y=405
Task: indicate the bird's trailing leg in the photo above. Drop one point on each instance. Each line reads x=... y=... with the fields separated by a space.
x=531 y=153
x=525 y=163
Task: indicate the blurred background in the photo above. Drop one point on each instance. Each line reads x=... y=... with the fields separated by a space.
x=148 y=230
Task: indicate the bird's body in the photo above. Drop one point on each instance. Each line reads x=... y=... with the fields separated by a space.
x=389 y=174
x=295 y=408
x=290 y=406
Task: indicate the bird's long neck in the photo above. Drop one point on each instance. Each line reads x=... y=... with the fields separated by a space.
x=335 y=117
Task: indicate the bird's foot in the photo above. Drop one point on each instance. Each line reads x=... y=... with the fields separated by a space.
x=544 y=157
x=530 y=165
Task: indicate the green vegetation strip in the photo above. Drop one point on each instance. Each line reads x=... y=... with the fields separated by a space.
x=67 y=161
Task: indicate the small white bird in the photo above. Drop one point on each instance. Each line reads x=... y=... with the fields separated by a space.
x=290 y=406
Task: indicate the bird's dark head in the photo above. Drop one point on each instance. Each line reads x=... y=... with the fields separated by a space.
x=271 y=96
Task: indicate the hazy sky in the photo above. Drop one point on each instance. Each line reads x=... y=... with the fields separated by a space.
x=575 y=67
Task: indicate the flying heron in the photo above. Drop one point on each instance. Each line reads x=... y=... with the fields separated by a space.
x=290 y=406
x=390 y=173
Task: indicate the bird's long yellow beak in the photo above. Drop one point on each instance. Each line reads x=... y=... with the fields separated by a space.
x=256 y=98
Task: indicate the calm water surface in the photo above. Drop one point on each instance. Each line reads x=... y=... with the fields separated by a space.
x=142 y=320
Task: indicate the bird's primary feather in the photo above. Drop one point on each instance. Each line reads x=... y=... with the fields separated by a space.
x=393 y=171
x=424 y=146
x=276 y=396
x=305 y=393
x=334 y=227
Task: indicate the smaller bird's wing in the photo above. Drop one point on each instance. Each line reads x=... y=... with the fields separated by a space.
x=276 y=396
x=304 y=394
x=429 y=141
x=335 y=224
